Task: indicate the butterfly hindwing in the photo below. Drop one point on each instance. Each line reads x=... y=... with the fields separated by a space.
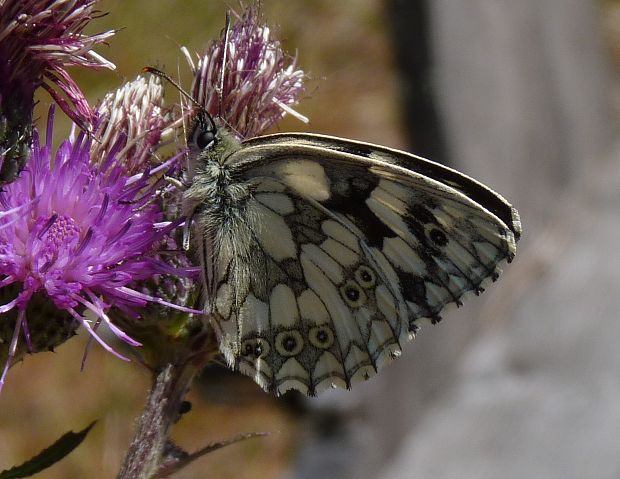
x=310 y=306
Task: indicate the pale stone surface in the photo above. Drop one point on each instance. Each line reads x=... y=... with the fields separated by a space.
x=538 y=395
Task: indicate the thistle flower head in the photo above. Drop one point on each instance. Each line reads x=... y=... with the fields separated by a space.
x=260 y=83
x=133 y=116
x=38 y=40
x=91 y=234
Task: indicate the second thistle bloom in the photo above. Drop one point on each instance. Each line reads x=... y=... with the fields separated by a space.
x=261 y=84
x=133 y=115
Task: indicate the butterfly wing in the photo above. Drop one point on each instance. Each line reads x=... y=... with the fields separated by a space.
x=291 y=315
x=338 y=254
x=339 y=152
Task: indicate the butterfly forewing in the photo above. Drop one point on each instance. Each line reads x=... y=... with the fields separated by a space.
x=330 y=252
x=439 y=241
x=264 y=148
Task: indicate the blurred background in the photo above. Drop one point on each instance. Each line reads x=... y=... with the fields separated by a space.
x=523 y=381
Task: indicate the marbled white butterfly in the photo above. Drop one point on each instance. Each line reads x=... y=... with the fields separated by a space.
x=321 y=256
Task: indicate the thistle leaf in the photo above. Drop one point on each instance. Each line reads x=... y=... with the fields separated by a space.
x=49 y=456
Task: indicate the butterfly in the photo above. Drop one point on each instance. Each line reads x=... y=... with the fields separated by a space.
x=322 y=256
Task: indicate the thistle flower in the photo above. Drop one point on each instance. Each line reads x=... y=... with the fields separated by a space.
x=260 y=83
x=38 y=40
x=133 y=121
x=91 y=234
x=134 y=116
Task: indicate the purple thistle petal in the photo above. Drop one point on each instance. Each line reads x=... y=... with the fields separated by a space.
x=135 y=294
x=84 y=322
x=77 y=108
x=9 y=306
x=21 y=317
x=101 y=314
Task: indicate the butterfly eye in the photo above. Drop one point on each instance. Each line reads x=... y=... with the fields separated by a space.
x=202 y=138
x=203 y=133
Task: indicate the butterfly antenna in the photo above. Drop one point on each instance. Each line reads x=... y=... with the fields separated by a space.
x=224 y=60
x=170 y=80
x=184 y=121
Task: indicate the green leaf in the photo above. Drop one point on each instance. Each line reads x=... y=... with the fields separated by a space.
x=46 y=458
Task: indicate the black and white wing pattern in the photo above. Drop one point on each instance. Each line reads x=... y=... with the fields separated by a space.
x=335 y=252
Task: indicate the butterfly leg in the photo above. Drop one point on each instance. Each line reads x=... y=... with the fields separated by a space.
x=182 y=186
x=186 y=232
x=176 y=183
